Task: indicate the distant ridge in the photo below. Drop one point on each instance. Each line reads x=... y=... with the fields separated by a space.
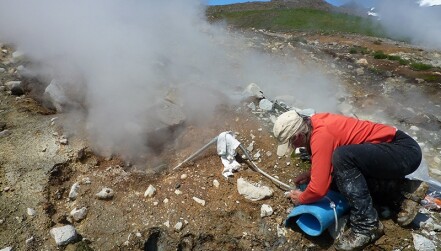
x=274 y=4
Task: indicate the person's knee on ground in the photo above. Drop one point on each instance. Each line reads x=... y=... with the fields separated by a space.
x=365 y=227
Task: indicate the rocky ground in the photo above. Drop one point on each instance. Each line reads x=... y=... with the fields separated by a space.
x=50 y=180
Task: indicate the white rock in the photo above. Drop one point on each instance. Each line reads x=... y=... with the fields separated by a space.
x=254 y=90
x=359 y=71
x=167 y=223
x=421 y=243
x=362 y=61
x=252 y=106
x=31 y=211
x=183 y=176
x=414 y=128
x=256 y=155
x=78 y=214
x=266 y=210
x=29 y=240
x=265 y=105
x=150 y=192
x=283 y=150
x=281 y=231
x=178 y=192
x=6 y=249
x=216 y=183
x=252 y=192
x=178 y=226
x=200 y=201
x=250 y=147
x=63 y=235
x=2 y=70
x=165 y=201
x=73 y=194
x=11 y=84
x=105 y=193
x=17 y=55
x=63 y=141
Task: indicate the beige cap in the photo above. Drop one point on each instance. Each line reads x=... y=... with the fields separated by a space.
x=287 y=125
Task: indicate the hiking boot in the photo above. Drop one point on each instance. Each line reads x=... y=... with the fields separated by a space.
x=414 y=191
x=357 y=241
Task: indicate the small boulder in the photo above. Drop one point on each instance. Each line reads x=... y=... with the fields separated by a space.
x=254 y=90
x=73 y=194
x=266 y=210
x=78 y=214
x=362 y=61
x=150 y=192
x=63 y=235
x=105 y=194
x=252 y=192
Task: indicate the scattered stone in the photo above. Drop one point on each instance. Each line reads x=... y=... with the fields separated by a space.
x=78 y=214
x=30 y=211
x=29 y=240
x=178 y=226
x=281 y=231
x=63 y=141
x=183 y=176
x=268 y=154
x=265 y=105
x=5 y=189
x=11 y=84
x=362 y=61
x=414 y=128
x=17 y=56
x=200 y=201
x=150 y=192
x=63 y=235
x=254 y=90
x=256 y=155
x=266 y=210
x=216 y=183
x=105 y=194
x=359 y=71
x=421 y=243
x=250 y=147
x=283 y=150
x=73 y=194
x=165 y=201
x=86 y=181
x=2 y=70
x=167 y=223
x=252 y=192
x=252 y=106
x=6 y=249
x=178 y=192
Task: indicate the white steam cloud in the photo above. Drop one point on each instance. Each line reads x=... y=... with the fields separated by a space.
x=407 y=19
x=121 y=57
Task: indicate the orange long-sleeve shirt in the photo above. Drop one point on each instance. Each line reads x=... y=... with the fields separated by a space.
x=330 y=131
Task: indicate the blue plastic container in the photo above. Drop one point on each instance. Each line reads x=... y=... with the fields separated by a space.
x=314 y=218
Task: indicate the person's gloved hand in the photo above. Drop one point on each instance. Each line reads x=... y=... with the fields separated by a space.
x=303 y=178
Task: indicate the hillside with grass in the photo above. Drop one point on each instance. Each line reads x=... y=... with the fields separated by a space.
x=299 y=19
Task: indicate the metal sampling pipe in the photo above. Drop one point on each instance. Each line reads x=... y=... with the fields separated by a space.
x=214 y=140
x=282 y=185
x=257 y=169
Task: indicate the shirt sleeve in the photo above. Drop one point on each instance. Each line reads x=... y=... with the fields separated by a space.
x=322 y=147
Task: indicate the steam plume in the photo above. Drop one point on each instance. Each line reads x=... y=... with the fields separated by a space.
x=120 y=57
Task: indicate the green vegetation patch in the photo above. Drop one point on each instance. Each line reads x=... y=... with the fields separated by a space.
x=359 y=49
x=380 y=55
x=420 y=66
x=303 y=19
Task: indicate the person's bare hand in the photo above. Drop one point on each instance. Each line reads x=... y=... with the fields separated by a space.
x=294 y=196
x=303 y=178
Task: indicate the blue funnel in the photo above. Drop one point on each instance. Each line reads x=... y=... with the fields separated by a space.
x=314 y=218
